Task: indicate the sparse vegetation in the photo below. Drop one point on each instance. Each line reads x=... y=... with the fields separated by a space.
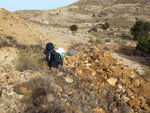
x=45 y=95
x=97 y=41
x=27 y=61
x=105 y=26
x=9 y=37
x=30 y=57
x=93 y=29
x=91 y=41
x=42 y=96
x=120 y=22
x=73 y=27
x=107 y=40
x=106 y=48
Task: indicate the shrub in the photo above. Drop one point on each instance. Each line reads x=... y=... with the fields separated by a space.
x=106 y=48
x=27 y=61
x=140 y=30
x=107 y=40
x=42 y=91
x=9 y=37
x=105 y=26
x=98 y=41
x=91 y=41
x=73 y=27
x=143 y=45
x=93 y=29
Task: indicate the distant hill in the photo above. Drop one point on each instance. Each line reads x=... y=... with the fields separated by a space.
x=138 y=9
x=108 y=2
x=83 y=11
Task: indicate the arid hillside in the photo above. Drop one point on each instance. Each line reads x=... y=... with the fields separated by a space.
x=84 y=9
x=107 y=74
x=22 y=31
x=88 y=14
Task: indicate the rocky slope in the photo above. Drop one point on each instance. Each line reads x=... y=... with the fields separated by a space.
x=12 y=25
x=90 y=81
x=16 y=33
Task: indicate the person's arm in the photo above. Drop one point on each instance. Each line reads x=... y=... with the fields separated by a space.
x=48 y=56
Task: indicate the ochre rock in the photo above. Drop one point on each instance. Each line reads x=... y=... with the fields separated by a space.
x=132 y=102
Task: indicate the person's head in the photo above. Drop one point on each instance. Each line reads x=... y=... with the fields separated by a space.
x=49 y=46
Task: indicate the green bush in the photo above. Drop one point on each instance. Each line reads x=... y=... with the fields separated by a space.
x=140 y=30
x=105 y=26
x=73 y=27
x=93 y=29
x=143 y=45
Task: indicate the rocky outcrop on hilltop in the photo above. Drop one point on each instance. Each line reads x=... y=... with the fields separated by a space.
x=90 y=81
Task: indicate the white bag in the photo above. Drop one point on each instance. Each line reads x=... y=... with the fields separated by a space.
x=61 y=51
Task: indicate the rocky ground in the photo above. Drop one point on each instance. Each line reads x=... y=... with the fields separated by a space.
x=90 y=81
x=103 y=78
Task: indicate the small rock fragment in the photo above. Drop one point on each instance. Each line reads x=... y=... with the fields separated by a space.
x=132 y=102
x=112 y=81
x=98 y=110
x=69 y=80
x=145 y=107
x=136 y=82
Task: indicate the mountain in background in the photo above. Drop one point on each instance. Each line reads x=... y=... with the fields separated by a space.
x=114 y=8
x=84 y=9
x=105 y=3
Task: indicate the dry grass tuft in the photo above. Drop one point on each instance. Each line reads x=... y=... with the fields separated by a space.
x=95 y=42
x=28 y=61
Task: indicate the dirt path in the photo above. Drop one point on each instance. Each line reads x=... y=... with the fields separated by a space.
x=138 y=64
x=63 y=36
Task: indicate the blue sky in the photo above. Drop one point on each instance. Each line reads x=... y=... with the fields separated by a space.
x=13 y=5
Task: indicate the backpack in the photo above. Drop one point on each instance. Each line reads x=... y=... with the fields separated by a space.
x=54 y=59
